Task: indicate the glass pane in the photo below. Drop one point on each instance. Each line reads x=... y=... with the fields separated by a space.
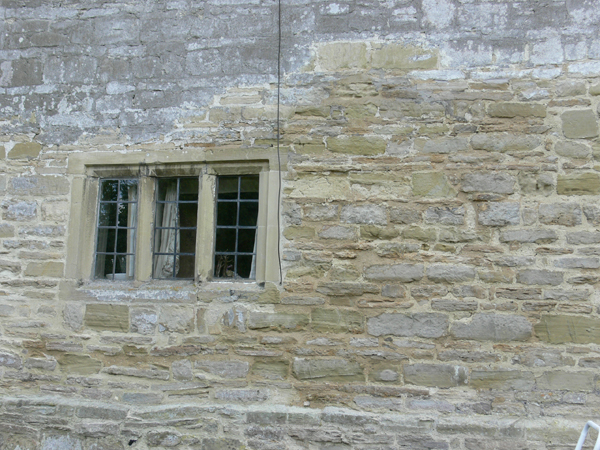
x=128 y=190
x=249 y=187
x=121 y=266
x=246 y=240
x=224 y=266
x=244 y=266
x=188 y=241
x=104 y=265
x=248 y=214
x=163 y=266
x=226 y=213
x=108 y=215
x=167 y=190
x=225 y=240
x=124 y=214
x=108 y=190
x=186 y=266
x=188 y=214
x=106 y=240
x=122 y=235
x=188 y=189
x=228 y=188
x=164 y=240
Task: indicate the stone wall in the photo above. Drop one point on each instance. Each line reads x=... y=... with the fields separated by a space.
x=440 y=218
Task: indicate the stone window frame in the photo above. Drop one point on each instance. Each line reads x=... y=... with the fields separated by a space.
x=87 y=169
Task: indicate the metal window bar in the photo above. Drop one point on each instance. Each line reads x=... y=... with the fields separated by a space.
x=584 y=434
x=115 y=253
x=237 y=227
x=176 y=229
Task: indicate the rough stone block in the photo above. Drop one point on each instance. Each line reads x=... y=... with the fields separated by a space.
x=431 y=184
x=404 y=273
x=445 y=215
x=404 y=215
x=578 y=184
x=578 y=263
x=143 y=320
x=346 y=288
x=6 y=230
x=21 y=211
x=566 y=381
x=336 y=320
x=436 y=375
x=510 y=110
x=10 y=360
x=541 y=277
x=570 y=88
x=39 y=185
x=592 y=214
x=579 y=124
x=426 y=325
x=562 y=329
x=22 y=72
x=342 y=56
x=80 y=364
x=529 y=236
x=107 y=317
x=490 y=182
x=566 y=214
x=583 y=237
x=357 y=145
x=276 y=321
x=375 y=232
x=395 y=56
x=334 y=370
x=364 y=214
x=320 y=213
x=502 y=379
x=224 y=369
x=51 y=269
x=444 y=145
x=271 y=370
x=450 y=273
x=493 y=327
x=504 y=142
x=296 y=232
x=571 y=149
x=25 y=150
x=178 y=319
x=338 y=232
x=499 y=214
x=420 y=234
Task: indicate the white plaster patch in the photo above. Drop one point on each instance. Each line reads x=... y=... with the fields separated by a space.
x=439 y=13
x=549 y=51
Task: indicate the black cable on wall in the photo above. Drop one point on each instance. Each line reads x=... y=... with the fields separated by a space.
x=278 y=140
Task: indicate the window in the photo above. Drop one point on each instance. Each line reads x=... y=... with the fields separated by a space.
x=209 y=218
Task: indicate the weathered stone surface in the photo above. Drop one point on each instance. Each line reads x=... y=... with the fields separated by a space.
x=404 y=215
x=51 y=269
x=319 y=213
x=578 y=184
x=10 y=360
x=567 y=214
x=357 y=145
x=298 y=232
x=364 y=214
x=493 y=327
x=143 y=320
x=504 y=142
x=497 y=183
x=499 y=214
x=578 y=263
x=566 y=381
x=334 y=370
x=431 y=184
x=271 y=370
x=107 y=317
x=583 y=237
x=447 y=273
x=342 y=56
x=259 y=320
x=445 y=215
x=375 y=232
x=38 y=185
x=404 y=273
x=338 y=232
x=81 y=364
x=427 y=325
x=579 y=124
x=435 y=375
x=534 y=276
x=341 y=288
x=502 y=379
x=336 y=320
x=25 y=150
x=224 y=369
x=509 y=110
x=395 y=56
x=163 y=438
x=178 y=319
x=529 y=236
x=592 y=214
x=571 y=149
x=445 y=145
x=561 y=329
x=19 y=210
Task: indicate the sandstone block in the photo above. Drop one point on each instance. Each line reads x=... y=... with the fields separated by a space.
x=419 y=234
x=571 y=149
x=562 y=329
x=431 y=184
x=533 y=276
x=395 y=56
x=276 y=321
x=404 y=273
x=579 y=124
x=504 y=142
x=357 y=145
x=436 y=375
x=375 y=232
x=570 y=89
x=346 y=288
x=510 y=110
x=338 y=232
x=73 y=315
x=442 y=304
x=319 y=213
x=567 y=214
x=578 y=263
x=566 y=381
x=396 y=249
x=51 y=269
x=491 y=182
x=334 y=370
x=364 y=214
x=502 y=379
x=336 y=320
x=39 y=185
x=529 y=236
x=404 y=215
x=499 y=214
x=6 y=230
x=578 y=184
x=80 y=364
x=107 y=317
x=493 y=327
x=224 y=369
x=450 y=273
x=178 y=319
x=583 y=237
x=342 y=56
x=444 y=145
x=25 y=150
x=295 y=232
x=271 y=370
x=427 y=325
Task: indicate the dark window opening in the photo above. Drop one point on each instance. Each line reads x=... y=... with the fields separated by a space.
x=175 y=228
x=236 y=226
